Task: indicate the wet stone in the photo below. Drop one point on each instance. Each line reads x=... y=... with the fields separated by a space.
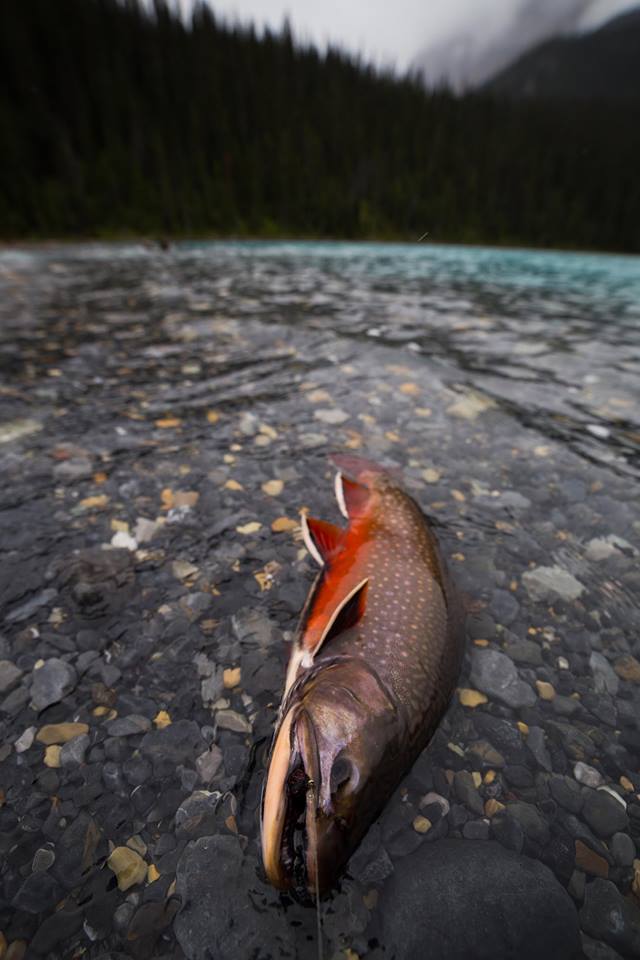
x=504 y=607
x=180 y=742
x=604 y=814
x=72 y=753
x=217 y=918
x=551 y=583
x=604 y=677
x=9 y=676
x=503 y=922
x=607 y=915
x=208 y=763
x=128 y=726
x=467 y=792
x=494 y=673
x=53 y=681
x=567 y=793
x=476 y=830
x=623 y=849
x=587 y=776
x=526 y=652
x=39 y=892
x=531 y=820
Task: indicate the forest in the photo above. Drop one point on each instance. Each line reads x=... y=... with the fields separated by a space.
x=122 y=119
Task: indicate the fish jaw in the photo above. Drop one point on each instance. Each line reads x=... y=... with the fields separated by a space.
x=326 y=776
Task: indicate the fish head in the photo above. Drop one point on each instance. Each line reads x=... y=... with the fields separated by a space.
x=332 y=755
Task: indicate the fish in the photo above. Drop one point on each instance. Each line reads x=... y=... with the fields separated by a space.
x=373 y=665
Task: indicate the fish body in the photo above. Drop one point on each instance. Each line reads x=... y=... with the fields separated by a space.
x=372 y=670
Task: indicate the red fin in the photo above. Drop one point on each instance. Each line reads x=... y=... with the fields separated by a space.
x=321 y=538
x=350 y=613
x=352 y=497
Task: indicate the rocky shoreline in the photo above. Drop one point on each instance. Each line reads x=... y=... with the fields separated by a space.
x=156 y=444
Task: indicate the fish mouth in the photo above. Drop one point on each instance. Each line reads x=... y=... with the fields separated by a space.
x=289 y=830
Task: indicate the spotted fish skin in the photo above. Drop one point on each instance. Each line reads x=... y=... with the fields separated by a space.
x=410 y=632
x=373 y=667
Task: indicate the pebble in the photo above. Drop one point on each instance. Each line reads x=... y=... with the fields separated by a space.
x=628 y=668
x=72 y=753
x=51 y=682
x=590 y=861
x=567 y=793
x=52 y=756
x=128 y=866
x=39 y=892
x=60 y=732
x=27 y=610
x=177 y=743
x=476 y=830
x=231 y=720
x=537 y=745
x=551 y=583
x=494 y=673
x=9 y=676
x=531 y=820
x=421 y=824
x=208 y=763
x=604 y=814
x=546 y=691
x=587 y=776
x=623 y=849
x=25 y=740
x=471 y=698
x=604 y=676
x=129 y=726
x=331 y=415
x=467 y=792
x=607 y=915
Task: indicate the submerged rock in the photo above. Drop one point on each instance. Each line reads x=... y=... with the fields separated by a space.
x=219 y=890
x=454 y=900
x=551 y=583
x=53 y=681
x=495 y=674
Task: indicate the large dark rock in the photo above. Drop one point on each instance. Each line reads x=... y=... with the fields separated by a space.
x=454 y=899
x=607 y=915
x=223 y=905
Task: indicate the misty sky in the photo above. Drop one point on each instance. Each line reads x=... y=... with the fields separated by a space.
x=463 y=40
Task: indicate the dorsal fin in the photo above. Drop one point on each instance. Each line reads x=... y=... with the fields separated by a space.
x=321 y=538
x=352 y=496
x=346 y=614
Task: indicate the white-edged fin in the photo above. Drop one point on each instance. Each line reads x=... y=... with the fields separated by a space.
x=296 y=660
x=337 y=484
x=336 y=613
x=308 y=541
x=274 y=804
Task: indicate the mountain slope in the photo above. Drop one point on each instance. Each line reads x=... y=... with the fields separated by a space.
x=602 y=65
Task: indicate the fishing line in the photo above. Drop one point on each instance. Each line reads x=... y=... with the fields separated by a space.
x=311 y=822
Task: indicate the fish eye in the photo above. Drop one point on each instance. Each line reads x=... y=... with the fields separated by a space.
x=341 y=773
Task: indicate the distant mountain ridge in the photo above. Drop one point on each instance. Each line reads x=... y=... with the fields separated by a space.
x=603 y=65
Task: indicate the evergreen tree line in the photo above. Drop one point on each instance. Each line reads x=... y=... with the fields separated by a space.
x=119 y=118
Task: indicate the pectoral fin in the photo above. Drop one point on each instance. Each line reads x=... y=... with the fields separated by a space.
x=346 y=614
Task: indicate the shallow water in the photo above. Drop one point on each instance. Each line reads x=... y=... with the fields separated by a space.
x=172 y=386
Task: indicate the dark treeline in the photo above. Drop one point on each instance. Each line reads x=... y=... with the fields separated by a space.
x=115 y=118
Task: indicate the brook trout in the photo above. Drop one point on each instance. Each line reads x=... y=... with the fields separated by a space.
x=373 y=666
